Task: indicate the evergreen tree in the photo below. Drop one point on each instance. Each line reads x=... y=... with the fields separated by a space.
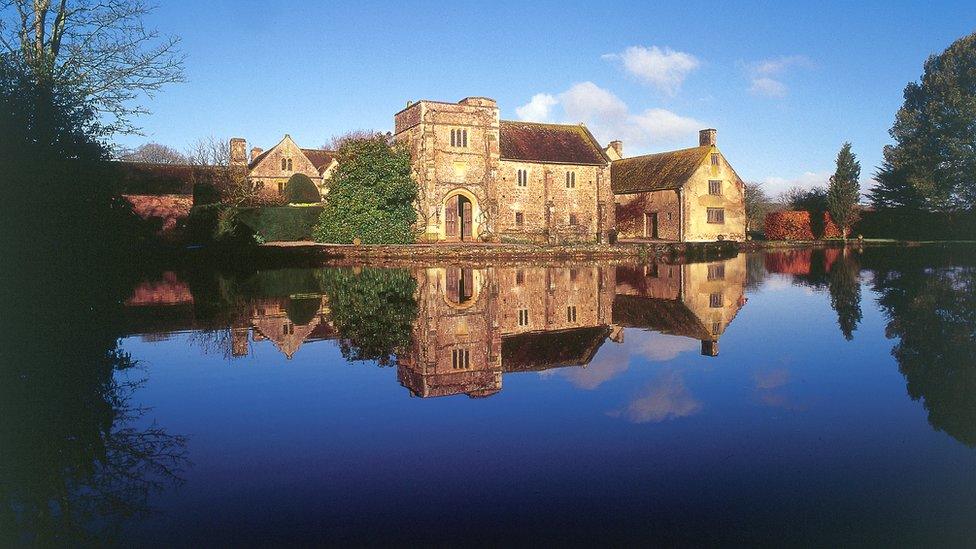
x=844 y=191
x=932 y=164
x=371 y=195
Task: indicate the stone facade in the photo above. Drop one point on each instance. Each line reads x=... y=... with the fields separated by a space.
x=482 y=178
x=269 y=170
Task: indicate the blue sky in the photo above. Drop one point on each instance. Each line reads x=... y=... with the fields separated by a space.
x=785 y=86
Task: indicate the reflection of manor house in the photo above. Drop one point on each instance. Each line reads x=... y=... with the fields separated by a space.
x=286 y=322
x=697 y=300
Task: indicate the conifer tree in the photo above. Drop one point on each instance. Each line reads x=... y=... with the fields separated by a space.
x=844 y=191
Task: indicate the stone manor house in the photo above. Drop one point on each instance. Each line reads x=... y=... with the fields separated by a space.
x=483 y=178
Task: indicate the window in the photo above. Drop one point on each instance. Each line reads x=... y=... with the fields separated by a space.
x=519 y=277
x=288 y=328
x=284 y=164
x=573 y=273
x=570 y=180
x=572 y=219
x=519 y=219
x=716 y=327
x=715 y=159
x=289 y=164
x=281 y=187
x=258 y=185
x=716 y=215
x=459 y=138
x=715 y=187
x=460 y=359
x=523 y=178
x=571 y=313
x=716 y=271
x=523 y=317
x=715 y=300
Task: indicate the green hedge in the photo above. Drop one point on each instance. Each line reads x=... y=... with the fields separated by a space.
x=222 y=224
x=301 y=190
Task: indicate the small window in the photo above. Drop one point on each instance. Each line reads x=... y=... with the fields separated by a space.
x=258 y=185
x=460 y=359
x=465 y=134
x=573 y=273
x=572 y=219
x=715 y=159
x=284 y=164
x=571 y=313
x=523 y=178
x=289 y=164
x=281 y=187
x=519 y=219
x=454 y=138
x=716 y=215
x=715 y=187
x=716 y=327
x=288 y=328
x=519 y=277
x=570 y=180
x=715 y=300
x=459 y=138
x=716 y=271
x=523 y=317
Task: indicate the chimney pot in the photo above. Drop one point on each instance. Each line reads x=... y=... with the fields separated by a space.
x=618 y=146
x=256 y=152
x=707 y=138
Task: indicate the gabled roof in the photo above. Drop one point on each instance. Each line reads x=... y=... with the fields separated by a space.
x=562 y=143
x=319 y=158
x=536 y=351
x=668 y=316
x=656 y=172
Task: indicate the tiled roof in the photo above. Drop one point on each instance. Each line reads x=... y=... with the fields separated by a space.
x=668 y=316
x=655 y=172
x=534 y=351
x=319 y=158
x=563 y=143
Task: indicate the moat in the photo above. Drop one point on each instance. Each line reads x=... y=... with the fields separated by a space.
x=798 y=397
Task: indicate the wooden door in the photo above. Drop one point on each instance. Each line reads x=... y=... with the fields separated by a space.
x=650 y=225
x=451 y=218
x=453 y=281
x=466 y=220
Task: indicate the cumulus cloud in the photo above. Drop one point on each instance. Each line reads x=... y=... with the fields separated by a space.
x=658 y=347
x=807 y=180
x=667 y=397
x=663 y=69
x=608 y=117
x=537 y=109
x=766 y=75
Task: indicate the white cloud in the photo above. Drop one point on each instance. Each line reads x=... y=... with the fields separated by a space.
x=538 y=109
x=807 y=180
x=667 y=397
x=608 y=117
x=762 y=73
x=664 y=69
x=768 y=87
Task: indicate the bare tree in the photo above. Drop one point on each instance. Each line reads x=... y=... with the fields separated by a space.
x=212 y=158
x=155 y=153
x=98 y=49
x=757 y=205
x=336 y=141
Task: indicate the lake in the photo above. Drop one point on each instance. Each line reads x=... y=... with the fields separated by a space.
x=802 y=397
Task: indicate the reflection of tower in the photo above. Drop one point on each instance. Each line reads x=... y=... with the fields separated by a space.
x=709 y=347
x=239 y=343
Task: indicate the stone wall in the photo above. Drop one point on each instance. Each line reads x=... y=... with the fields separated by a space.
x=632 y=211
x=697 y=200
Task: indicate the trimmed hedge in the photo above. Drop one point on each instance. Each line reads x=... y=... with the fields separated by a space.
x=800 y=225
x=301 y=190
x=218 y=223
x=916 y=225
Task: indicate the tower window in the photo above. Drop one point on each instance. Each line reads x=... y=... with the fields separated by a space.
x=714 y=187
x=716 y=215
x=523 y=317
x=519 y=219
x=523 y=178
x=571 y=313
x=519 y=277
x=715 y=300
x=570 y=180
x=460 y=359
x=459 y=138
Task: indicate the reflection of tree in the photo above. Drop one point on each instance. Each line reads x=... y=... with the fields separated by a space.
x=931 y=309
x=373 y=310
x=844 y=284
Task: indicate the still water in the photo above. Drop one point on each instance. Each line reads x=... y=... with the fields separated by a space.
x=790 y=398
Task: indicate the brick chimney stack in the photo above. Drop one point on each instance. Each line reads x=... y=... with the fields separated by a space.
x=707 y=138
x=618 y=146
x=256 y=152
x=238 y=151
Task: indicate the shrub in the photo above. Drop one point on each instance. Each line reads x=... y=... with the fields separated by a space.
x=800 y=225
x=282 y=223
x=301 y=190
x=371 y=195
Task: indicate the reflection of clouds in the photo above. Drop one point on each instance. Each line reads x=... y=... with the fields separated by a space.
x=667 y=397
x=661 y=347
x=771 y=389
x=614 y=360
x=771 y=379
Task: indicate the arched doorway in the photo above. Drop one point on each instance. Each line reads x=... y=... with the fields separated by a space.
x=459 y=211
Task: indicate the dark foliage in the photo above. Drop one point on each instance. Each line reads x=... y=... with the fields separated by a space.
x=301 y=190
x=844 y=285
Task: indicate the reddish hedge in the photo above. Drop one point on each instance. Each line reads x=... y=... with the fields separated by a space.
x=796 y=225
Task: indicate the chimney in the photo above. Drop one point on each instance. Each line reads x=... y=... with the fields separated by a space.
x=256 y=152
x=618 y=146
x=707 y=138
x=238 y=151
x=709 y=347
